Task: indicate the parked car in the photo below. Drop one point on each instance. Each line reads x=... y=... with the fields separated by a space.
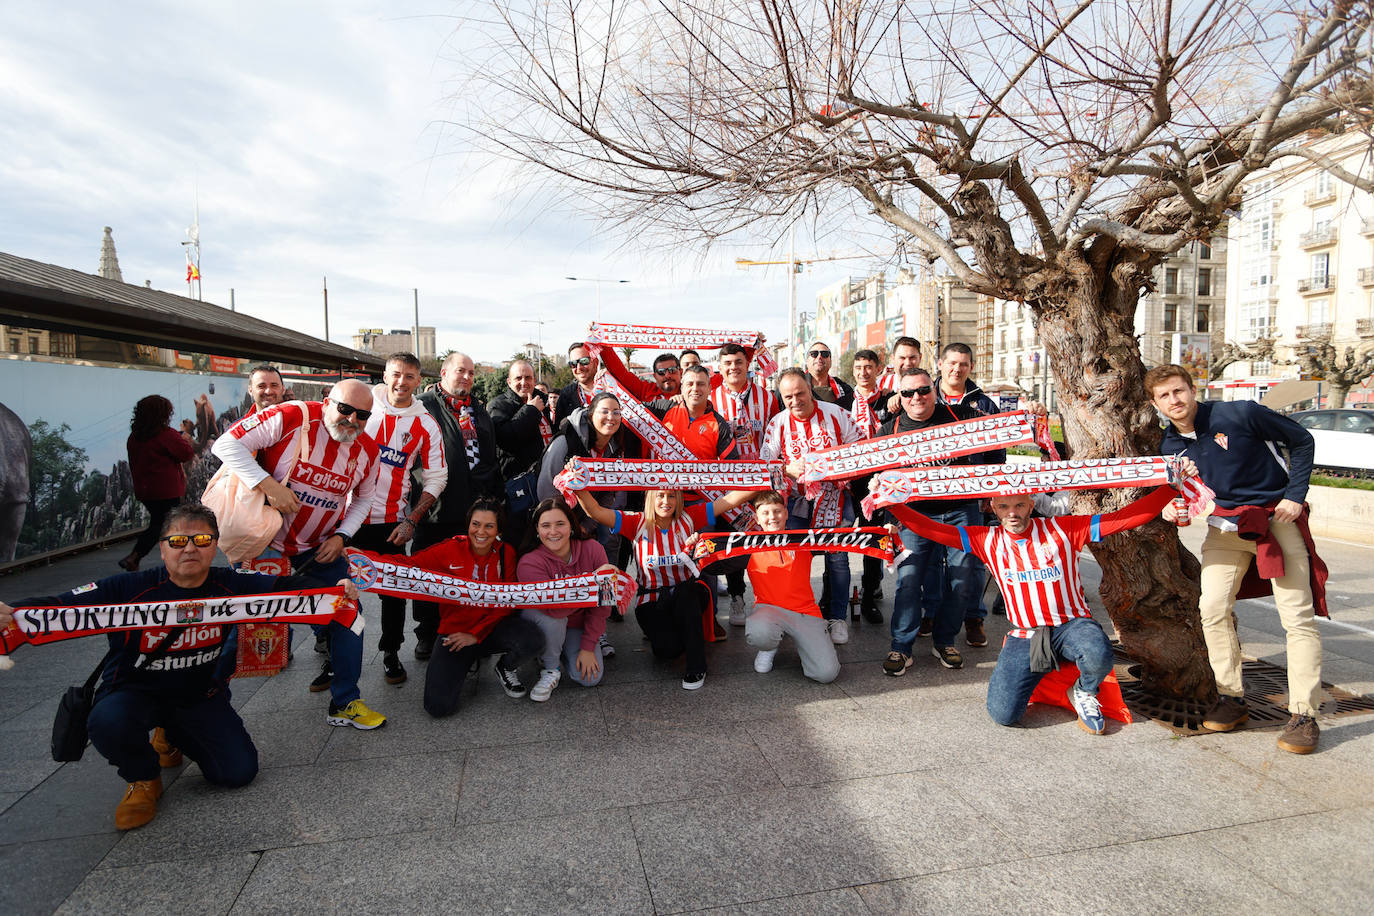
x=1344 y=439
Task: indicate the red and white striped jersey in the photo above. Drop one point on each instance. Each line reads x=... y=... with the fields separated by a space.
x=747 y=414
x=1037 y=571
x=323 y=479
x=660 y=553
x=887 y=381
x=405 y=437
x=788 y=438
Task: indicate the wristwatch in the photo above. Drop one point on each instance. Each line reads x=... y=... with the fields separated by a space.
x=347 y=541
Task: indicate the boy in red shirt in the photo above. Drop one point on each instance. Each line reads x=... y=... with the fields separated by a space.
x=784 y=602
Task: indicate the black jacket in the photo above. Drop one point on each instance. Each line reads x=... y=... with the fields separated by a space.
x=572 y=441
x=568 y=401
x=464 y=485
x=518 y=443
x=942 y=415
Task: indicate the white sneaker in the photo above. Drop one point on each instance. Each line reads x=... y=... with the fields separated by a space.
x=737 y=610
x=763 y=662
x=607 y=650
x=548 y=679
x=722 y=587
x=839 y=632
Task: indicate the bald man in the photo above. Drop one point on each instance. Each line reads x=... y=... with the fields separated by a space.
x=318 y=468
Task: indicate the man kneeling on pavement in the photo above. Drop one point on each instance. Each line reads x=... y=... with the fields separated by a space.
x=1035 y=562
x=167 y=677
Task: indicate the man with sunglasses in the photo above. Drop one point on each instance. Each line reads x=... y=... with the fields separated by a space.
x=921 y=410
x=319 y=469
x=577 y=393
x=826 y=387
x=168 y=676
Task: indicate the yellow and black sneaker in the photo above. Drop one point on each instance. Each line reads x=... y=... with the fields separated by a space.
x=355 y=714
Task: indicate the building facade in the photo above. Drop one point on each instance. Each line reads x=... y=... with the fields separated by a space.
x=375 y=340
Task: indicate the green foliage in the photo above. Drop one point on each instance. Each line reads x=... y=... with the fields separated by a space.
x=487 y=384
x=1343 y=483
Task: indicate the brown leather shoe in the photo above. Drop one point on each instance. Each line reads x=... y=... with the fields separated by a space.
x=1300 y=735
x=139 y=805
x=974 y=632
x=1226 y=714
x=167 y=755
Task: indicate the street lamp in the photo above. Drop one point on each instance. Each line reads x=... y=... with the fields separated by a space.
x=598 y=281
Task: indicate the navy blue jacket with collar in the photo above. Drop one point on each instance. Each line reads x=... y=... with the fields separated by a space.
x=1236 y=455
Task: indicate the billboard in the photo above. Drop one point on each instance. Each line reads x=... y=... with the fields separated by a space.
x=875 y=334
x=1194 y=353
x=64 y=467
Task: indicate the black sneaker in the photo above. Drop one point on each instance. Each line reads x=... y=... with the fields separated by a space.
x=1300 y=735
x=424 y=648
x=926 y=628
x=322 y=643
x=974 y=632
x=391 y=665
x=868 y=608
x=510 y=681
x=948 y=656
x=325 y=678
x=1226 y=714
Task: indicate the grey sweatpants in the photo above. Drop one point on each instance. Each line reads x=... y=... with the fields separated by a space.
x=561 y=645
x=768 y=623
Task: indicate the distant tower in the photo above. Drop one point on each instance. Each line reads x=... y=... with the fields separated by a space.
x=109 y=261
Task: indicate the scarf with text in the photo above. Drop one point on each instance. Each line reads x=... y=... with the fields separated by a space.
x=872 y=542
x=977 y=481
x=635 y=474
x=379 y=573
x=924 y=446
x=665 y=445
x=640 y=335
x=39 y=625
x=864 y=418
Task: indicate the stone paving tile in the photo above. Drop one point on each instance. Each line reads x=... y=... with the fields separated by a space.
x=581 y=863
x=76 y=800
x=924 y=683
x=26 y=758
x=812 y=839
x=1321 y=860
x=36 y=712
x=40 y=875
x=290 y=806
x=840 y=902
x=561 y=777
x=486 y=717
x=1151 y=877
x=9 y=798
x=724 y=698
x=287 y=737
x=158 y=888
x=1344 y=758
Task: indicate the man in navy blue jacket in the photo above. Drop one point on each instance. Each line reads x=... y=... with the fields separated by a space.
x=1235 y=445
x=168 y=676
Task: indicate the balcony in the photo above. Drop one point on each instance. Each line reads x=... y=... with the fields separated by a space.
x=1314 y=196
x=1367 y=227
x=1366 y=276
x=1314 y=331
x=1311 y=285
x=1318 y=237
x=1364 y=327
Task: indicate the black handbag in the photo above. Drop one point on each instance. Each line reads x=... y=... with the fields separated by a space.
x=522 y=493
x=69 y=732
x=69 y=736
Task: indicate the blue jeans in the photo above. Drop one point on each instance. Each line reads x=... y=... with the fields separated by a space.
x=1079 y=640
x=913 y=578
x=206 y=729
x=836 y=564
x=345 y=646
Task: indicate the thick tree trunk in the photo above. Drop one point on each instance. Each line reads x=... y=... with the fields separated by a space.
x=1149 y=581
x=1336 y=393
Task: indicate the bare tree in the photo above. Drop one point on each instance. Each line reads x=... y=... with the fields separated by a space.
x=1340 y=369
x=1230 y=353
x=1050 y=154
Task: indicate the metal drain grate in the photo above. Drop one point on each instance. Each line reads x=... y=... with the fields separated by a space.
x=1266 y=693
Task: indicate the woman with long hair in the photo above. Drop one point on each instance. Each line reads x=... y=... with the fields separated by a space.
x=558 y=547
x=156 y=454
x=675 y=603
x=468 y=633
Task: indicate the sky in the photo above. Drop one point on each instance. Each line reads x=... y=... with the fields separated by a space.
x=312 y=137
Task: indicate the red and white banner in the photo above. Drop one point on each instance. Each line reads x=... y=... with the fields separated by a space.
x=665 y=445
x=381 y=574
x=640 y=335
x=872 y=542
x=977 y=481
x=39 y=625
x=920 y=446
x=264 y=648
x=637 y=474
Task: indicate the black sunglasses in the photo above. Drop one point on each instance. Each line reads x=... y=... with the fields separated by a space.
x=178 y=541
x=913 y=392
x=820 y=354
x=348 y=410
x=671 y=370
x=580 y=361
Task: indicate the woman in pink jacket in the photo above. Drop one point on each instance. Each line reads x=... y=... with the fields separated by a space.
x=558 y=549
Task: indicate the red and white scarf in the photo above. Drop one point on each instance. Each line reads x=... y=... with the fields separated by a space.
x=873 y=542
x=864 y=418
x=642 y=335
x=634 y=474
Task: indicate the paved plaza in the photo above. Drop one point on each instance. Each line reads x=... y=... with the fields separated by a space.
x=756 y=794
